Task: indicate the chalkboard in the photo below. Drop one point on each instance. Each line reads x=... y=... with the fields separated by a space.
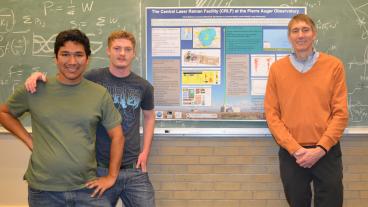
x=28 y=28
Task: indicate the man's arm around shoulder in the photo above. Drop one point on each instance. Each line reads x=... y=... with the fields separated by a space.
x=31 y=82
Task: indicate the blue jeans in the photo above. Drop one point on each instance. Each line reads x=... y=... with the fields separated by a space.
x=132 y=186
x=75 y=198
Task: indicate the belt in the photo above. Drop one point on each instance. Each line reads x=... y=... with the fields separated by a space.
x=124 y=166
x=310 y=146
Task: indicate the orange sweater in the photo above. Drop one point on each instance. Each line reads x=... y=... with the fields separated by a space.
x=304 y=109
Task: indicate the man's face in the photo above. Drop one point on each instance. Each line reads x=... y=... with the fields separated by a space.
x=302 y=37
x=121 y=53
x=71 y=62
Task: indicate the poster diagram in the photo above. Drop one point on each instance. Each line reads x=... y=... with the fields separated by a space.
x=186 y=33
x=206 y=77
x=261 y=64
x=200 y=96
x=207 y=37
x=205 y=57
x=274 y=39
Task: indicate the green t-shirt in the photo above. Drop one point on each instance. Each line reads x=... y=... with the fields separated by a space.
x=64 y=120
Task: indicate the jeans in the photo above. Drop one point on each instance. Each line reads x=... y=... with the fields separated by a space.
x=75 y=198
x=132 y=186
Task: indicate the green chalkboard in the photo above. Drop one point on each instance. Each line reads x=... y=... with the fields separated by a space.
x=28 y=29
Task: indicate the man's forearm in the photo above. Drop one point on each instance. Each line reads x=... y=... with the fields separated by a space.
x=116 y=150
x=13 y=125
x=148 y=130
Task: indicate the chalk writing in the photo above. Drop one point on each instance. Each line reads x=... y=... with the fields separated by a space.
x=15 y=46
x=358 y=108
x=361 y=16
x=13 y=77
x=358 y=104
x=69 y=9
x=212 y=3
x=309 y=4
x=326 y=26
x=42 y=46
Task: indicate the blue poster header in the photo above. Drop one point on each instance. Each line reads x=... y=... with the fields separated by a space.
x=224 y=12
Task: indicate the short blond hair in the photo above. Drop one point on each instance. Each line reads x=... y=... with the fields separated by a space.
x=302 y=18
x=121 y=34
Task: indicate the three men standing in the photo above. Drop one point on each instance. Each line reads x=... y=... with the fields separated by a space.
x=305 y=107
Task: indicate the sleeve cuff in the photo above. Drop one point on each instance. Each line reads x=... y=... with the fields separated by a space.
x=322 y=147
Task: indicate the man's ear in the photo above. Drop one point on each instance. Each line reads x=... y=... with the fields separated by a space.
x=108 y=51
x=314 y=35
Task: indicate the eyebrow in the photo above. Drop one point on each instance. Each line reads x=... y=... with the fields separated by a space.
x=78 y=52
x=303 y=27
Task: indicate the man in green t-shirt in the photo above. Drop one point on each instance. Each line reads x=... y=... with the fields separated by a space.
x=64 y=114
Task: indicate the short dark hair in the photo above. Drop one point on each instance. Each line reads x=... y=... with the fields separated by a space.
x=73 y=35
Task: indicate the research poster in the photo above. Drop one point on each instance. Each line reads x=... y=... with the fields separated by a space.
x=213 y=63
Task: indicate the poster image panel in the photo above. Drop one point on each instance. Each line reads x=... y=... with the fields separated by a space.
x=196 y=96
x=203 y=77
x=206 y=37
x=261 y=64
x=201 y=57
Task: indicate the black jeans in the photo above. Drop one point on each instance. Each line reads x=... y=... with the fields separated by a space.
x=326 y=175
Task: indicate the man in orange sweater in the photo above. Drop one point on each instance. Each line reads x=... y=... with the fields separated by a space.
x=306 y=111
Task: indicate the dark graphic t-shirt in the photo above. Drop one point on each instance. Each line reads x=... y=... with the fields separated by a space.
x=130 y=94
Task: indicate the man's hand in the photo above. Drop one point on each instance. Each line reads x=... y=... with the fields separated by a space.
x=31 y=82
x=101 y=184
x=300 y=153
x=142 y=161
x=307 y=157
